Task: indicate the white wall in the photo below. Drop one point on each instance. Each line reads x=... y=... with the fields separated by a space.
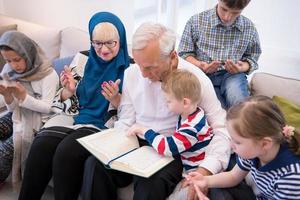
x=63 y=13
x=1 y=6
x=278 y=25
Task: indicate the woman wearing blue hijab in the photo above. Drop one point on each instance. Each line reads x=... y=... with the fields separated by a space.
x=55 y=151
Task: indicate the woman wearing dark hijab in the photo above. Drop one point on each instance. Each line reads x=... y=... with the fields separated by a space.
x=55 y=151
x=28 y=85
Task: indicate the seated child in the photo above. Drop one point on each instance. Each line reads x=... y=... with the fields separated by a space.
x=192 y=132
x=266 y=147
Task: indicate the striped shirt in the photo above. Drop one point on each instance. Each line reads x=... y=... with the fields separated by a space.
x=279 y=179
x=207 y=39
x=189 y=140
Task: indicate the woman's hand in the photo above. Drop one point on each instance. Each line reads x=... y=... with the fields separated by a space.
x=6 y=92
x=138 y=130
x=18 y=91
x=110 y=90
x=68 y=82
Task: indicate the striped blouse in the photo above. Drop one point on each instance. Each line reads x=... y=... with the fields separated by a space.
x=279 y=179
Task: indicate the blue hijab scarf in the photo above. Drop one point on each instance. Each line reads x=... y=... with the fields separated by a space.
x=92 y=104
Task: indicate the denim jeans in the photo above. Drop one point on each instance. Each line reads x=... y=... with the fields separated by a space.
x=230 y=88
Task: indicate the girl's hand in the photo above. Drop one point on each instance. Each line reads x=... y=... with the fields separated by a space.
x=138 y=130
x=110 y=90
x=67 y=80
x=197 y=179
x=18 y=91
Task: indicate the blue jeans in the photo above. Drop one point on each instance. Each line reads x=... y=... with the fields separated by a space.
x=230 y=88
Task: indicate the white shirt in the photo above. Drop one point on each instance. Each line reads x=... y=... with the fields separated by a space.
x=143 y=102
x=46 y=89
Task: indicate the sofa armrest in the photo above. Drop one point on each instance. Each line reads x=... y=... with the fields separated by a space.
x=270 y=85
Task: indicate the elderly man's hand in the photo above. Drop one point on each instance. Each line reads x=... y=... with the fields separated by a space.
x=192 y=194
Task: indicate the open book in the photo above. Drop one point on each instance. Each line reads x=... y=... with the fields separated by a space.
x=121 y=152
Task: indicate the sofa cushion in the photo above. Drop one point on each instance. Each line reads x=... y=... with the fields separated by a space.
x=73 y=40
x=290 y=110
x=59 y=63
x=47 y=38
x=3 y=29
x=271 y=85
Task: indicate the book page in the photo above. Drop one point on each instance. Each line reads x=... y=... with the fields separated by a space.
x=109 y=144
x=144 y=161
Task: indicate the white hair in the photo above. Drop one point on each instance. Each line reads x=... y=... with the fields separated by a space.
x=148 y=32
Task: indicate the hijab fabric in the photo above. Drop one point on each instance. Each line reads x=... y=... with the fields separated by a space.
x=92 y=104
x=38 y=66
x=25 y=120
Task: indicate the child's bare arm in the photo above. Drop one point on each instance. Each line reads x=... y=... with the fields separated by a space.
x=221 y=180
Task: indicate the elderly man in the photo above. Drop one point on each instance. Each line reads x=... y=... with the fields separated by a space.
x=143 y=102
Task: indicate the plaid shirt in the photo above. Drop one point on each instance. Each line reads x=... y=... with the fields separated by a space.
x=207 y=39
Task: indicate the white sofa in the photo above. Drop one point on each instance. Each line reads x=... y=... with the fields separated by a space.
x=55 y=42
x=68 y=41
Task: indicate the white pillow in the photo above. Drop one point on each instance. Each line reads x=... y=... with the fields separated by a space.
x=47 y=38
x=73 y=40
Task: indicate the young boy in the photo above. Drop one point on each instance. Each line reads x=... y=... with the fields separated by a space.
x=225 y=45
x=192 y=132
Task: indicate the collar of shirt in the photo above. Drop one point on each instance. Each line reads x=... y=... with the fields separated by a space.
x=215 y=21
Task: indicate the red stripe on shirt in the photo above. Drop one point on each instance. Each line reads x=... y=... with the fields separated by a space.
x=195 y=158
x=161 y=147
x=186 y=143
x=202 y=137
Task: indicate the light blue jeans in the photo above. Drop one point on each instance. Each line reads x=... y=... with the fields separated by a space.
x=230 y=88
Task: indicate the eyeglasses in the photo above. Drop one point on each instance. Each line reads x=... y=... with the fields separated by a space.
x=109 y=44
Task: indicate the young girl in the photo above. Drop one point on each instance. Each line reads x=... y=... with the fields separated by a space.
x=28 y=87
x=265 y=146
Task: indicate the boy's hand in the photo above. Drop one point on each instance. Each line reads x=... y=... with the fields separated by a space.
x=209 y=68
x=234 y=68
x=138 y=130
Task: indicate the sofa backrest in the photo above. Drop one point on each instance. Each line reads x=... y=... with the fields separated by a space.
x=47 y=38
x=73 y=40
x=271 y=85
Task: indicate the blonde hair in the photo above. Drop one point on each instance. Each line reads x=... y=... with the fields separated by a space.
x=182 y=84
x=258 y=117
x=105 y=31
